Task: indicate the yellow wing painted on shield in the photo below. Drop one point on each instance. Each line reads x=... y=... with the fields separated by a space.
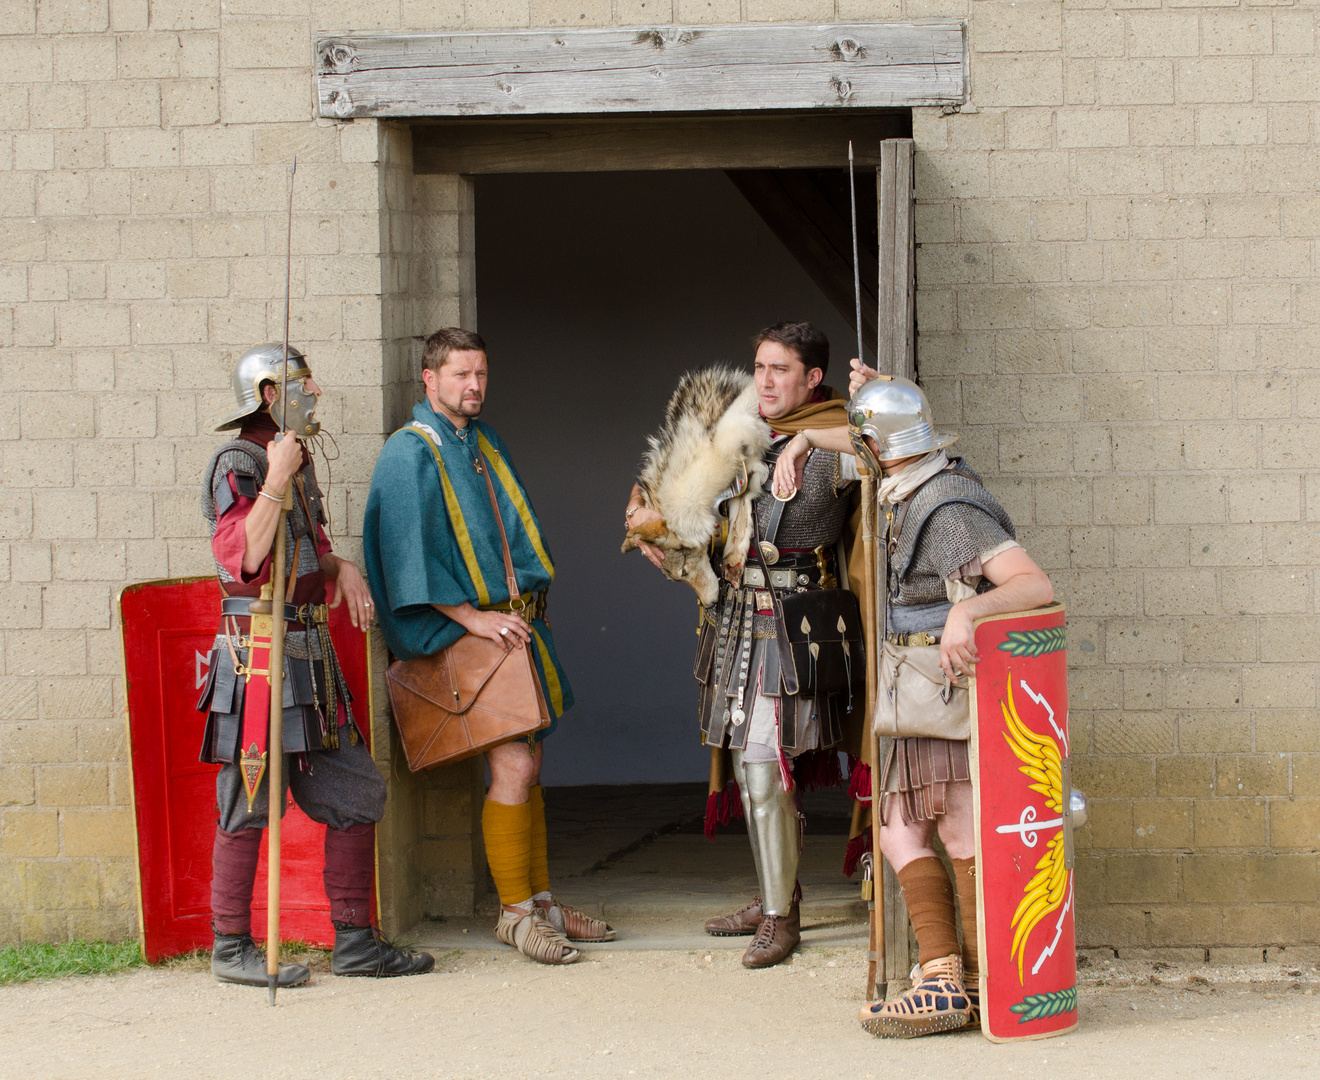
x=1042 y=765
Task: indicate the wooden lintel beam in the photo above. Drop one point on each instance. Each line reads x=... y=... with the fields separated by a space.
x=658 y=69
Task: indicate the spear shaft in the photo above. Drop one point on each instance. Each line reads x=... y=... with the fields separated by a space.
x=275 y=770
x=876 y=982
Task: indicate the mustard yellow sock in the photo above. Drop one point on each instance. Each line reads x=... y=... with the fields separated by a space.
x=539 y=867
x=508 y=834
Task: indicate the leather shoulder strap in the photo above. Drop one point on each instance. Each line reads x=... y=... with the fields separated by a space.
x=510 y=576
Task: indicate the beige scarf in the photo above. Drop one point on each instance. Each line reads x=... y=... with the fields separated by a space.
x=894 y=489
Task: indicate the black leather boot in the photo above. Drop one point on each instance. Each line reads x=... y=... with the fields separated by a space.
x=363 y=950
x=235 y=958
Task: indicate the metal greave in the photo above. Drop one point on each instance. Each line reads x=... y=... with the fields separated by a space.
x=740 y=774
x=773 y=826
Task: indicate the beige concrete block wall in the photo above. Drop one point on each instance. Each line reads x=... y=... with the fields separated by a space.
x=144 y=149
x=1117 y=306
x=1117 y=264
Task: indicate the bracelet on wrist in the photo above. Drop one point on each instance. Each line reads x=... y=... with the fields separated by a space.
x=273 y=498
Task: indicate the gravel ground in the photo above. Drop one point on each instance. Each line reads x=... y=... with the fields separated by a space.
x=693 y=1014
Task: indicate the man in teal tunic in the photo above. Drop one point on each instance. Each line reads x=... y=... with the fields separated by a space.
x=436 y=568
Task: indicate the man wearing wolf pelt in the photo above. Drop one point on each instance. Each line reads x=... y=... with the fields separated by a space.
x=799 y=518
x=953 y=558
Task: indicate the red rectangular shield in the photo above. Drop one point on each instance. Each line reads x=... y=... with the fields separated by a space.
x=1022 y=775
x=168 y=628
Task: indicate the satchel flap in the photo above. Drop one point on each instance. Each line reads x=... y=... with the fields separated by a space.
x=822 y=615
x=452 y=679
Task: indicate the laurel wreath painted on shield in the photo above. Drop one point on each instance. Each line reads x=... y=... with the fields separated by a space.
x=1043 y=1006
x=1033 y=642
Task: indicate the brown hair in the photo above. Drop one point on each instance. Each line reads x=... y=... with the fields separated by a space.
x=444 y=341
x=811 y=345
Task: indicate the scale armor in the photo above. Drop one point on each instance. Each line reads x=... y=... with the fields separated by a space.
x=949 y=521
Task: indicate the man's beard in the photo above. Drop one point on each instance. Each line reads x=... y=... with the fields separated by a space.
x=470 y=407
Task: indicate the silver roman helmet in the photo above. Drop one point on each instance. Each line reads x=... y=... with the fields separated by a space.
x=896 y=414
x=262 y=364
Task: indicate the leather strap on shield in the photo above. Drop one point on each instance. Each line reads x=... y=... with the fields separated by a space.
x=473 y=695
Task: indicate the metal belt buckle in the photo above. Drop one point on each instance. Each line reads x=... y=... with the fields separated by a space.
x=765 y=600
x=754 y=576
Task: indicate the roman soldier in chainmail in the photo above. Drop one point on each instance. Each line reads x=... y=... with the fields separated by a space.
x=755 y=704
x=953 y=558
x=327 y=765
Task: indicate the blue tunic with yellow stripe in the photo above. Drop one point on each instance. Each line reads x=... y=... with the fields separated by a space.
x=430 y=537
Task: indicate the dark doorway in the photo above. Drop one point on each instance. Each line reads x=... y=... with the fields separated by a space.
x=595 y=291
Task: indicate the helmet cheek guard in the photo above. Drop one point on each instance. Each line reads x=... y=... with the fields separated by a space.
x=299 y=415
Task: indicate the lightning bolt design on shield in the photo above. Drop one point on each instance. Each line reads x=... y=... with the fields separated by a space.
x=1051 y=886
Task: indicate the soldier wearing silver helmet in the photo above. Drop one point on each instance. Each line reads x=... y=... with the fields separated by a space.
x=953 y=558
x=335 y=781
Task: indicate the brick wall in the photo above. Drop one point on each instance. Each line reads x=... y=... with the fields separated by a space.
x=1117 y=306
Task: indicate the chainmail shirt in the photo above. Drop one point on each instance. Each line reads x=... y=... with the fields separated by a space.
x=949 y=521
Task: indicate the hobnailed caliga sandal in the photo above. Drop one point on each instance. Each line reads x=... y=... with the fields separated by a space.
x=938 y=1003
x=535 y=938
x=574 y=924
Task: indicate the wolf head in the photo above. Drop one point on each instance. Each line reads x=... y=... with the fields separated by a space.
x=681 y=562
x=706 y=456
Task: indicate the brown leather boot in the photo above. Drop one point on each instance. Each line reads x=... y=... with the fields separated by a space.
x=776 y=938
x=743 y=921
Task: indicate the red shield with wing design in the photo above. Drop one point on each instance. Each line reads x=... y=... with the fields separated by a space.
x=1022 y=774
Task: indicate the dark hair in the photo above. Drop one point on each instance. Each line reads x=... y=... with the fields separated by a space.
x=440 y=344
x=811 y=345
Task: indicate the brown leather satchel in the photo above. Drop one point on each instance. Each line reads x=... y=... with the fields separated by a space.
x=471 y=696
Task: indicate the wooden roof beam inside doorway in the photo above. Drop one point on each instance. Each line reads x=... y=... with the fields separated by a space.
x=648 y=70
x=817 y=140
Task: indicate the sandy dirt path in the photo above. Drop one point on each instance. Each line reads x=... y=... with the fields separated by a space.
x=689 y=1014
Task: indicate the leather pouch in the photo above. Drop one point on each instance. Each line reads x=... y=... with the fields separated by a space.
x=465 y=699
x=916 y=699
x=824 y=628
x=471 y=696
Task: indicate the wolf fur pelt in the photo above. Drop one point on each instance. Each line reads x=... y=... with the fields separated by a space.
x=713 y=439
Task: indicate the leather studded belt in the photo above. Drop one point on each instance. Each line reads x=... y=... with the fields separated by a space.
x=919 y=638
x=295 y=613
x=754 y=577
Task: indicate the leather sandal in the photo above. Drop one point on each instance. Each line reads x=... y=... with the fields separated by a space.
x=535 y=938
x=574 y=924
x=972 y=983
x=939 y=1002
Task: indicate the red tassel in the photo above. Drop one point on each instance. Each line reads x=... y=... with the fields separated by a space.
x=858 y=846
x=721 y=808
x=817 y=769
x=859 y=781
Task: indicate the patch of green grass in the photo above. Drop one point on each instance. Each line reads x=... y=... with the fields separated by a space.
x=19 y=963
